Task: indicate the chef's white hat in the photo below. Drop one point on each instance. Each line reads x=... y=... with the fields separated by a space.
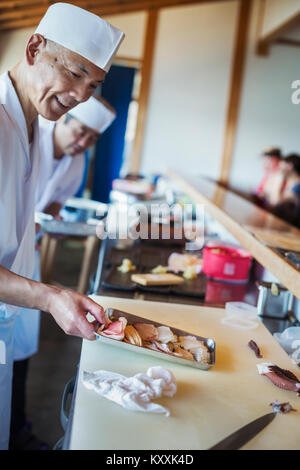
x=94 y=113
x=82 y=32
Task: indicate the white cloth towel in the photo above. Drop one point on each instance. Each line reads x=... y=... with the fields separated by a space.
x=134 y=393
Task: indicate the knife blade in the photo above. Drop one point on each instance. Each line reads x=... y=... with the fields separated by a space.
x=243 y=435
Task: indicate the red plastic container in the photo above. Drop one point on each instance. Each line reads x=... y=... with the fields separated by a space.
x=225 y=263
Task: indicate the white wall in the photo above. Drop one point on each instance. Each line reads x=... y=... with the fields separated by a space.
x=133 y=25
x=189 y=93
x=12 y=45
x=190 y=84
x=267 y=115
x=277 y=12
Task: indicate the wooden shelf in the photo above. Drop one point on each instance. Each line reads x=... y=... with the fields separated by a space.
x=255 y=229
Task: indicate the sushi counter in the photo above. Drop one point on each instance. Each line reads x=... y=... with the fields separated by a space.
x=199 y=290
x=208 y=405
x=270 y=240
x=212 y=397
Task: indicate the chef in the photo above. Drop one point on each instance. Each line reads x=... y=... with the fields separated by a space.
x=64 y=61
x=62 y=147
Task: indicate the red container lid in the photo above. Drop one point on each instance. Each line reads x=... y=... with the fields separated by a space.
x=227 y=252
x=226 y=263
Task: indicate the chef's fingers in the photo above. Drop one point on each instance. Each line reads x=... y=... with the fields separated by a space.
x=96 y=325
x=95 y=309
x=70 y=309
x=85 y=328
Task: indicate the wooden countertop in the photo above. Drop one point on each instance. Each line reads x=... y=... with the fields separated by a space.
x=208 y=405
x=257 y=230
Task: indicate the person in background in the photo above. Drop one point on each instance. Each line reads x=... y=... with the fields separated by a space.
x=62 y=147
x=64 y=61
x=288 y=206
x=270 y=187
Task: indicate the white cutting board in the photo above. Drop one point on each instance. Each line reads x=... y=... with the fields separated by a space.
x=208 y=405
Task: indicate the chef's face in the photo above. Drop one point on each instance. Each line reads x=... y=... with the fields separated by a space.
x=75 y=137
x=60 y=78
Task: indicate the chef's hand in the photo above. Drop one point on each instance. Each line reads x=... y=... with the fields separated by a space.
x=69 y=310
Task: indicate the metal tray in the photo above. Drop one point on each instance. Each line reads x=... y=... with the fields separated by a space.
x=294 y=258
x=115 y=314
x=122 y=281
x=119 y=281
x=146 y=259
x=87 y=204
x=274 y=306
x=80 y=229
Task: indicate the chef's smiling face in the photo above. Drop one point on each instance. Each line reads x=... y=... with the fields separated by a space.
x=73 y=136
x=60 y=78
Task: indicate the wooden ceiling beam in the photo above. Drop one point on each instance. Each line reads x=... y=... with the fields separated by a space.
x=36 y=8
x=18 y=24
x=146 y=72
x=235 y=91
x=11 y=15
x=26 y=17
x=288 y=42
x=20 y=3
x=23 y=4
x=264 y=42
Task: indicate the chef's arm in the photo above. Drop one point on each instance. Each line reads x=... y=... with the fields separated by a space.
x=68 y=308
x=53 y=209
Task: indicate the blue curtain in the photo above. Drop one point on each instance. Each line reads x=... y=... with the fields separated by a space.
x=117 y=90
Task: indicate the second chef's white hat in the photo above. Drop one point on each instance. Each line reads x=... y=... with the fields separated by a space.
x=94 y=113
x=82 y=32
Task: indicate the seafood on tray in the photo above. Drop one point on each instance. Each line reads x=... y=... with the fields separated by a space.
x=158 y=338
x=187 y=264
x=190 y=272
x=157 y=279
x=126 y=266
x=180 y=262
x=114 y=329
x=159 y=269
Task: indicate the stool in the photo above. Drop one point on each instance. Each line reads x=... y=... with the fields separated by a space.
x=49 y=245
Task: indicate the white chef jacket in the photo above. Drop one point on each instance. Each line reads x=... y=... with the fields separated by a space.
x=27 y=325
x=19 y=166
x=18 y=176
x=58 y=179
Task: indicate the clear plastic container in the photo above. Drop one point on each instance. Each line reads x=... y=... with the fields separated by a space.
x=241 y=308
x=240 y=315
x=289 y=339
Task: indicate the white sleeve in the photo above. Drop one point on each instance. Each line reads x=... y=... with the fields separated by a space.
x=71 y=183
